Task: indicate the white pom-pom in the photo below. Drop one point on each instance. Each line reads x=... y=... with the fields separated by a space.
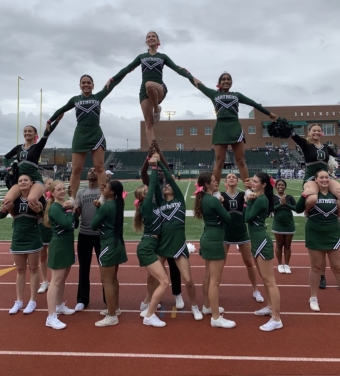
x=332 y=163
x=191 y=247
x=247 y=192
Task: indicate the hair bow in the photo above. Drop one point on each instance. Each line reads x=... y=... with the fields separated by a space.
x=198 y=189
x=48 y=194
x=36 y=138
x=136 y=202
x=272 y=182
x=218 y=86
x=124 y=194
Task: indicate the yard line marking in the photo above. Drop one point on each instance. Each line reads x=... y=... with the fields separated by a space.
x=172 y=356
x=186 y=192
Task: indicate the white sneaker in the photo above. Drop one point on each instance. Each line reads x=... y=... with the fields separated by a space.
x=271 y=325
x=144 y=306
x=314 y=304
x=107 y=321
x=258 y=297
x=265 y=311
x=217 y=194
x=157 y=115
x=179 y=301
x=196 y=312
x=31 y=306
x=53 y=322
x=221 y=322
x=287 y=269
x=16 y=308
x=281 y=269
x=43 y=287
x=105 y=312
x=144 y=313
x=154 y=321
x=207 y=311
x=102 y=200
x=62 y=309
x=79 y=307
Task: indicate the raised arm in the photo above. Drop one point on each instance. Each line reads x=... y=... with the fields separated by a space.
x=98 y=219
x=216 y=205
x=302 y=142
x=129 y=68
x=68 y=106
x=253 y=209
x=181 y=71
x=245 y=100
x=210 y=93
x=9 y=155
x=300 y=205
x=64 y=220
x=107 y=88
x=177 y=192
x=152 y=187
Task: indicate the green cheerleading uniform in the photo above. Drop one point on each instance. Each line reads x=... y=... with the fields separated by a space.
x=112 y=251
x=215 y=218
x=322 y=230
x=228 y=129
x=255 y=214
x=172 y=242
x=236 y=232
x=152 y=70
x=88 y=134
x=46 y=233
x=151 y=216
x=26 y=235
x=283 y=222
x=316 y=158
x=28 y=158
x=61 y=250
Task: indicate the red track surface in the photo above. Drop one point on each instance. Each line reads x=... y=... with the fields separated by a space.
x=308 y=344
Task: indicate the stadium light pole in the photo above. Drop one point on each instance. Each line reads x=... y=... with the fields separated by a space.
x=127 y=144
x=40 y=112
x=169 y=114
x=18 y=107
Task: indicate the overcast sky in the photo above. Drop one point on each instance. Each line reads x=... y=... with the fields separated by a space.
x=279 y=53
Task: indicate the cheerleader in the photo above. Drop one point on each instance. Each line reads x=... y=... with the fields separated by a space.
x=148 y=219
x=46 y=237
x=88 y=135
x=283 y=225
x=322 y=234
x=153 y=90
x=109 y=220
x=59 y=215
x=26 y=242
x=228 y=130
x=236 y=233
x=209 y=208
x=258 y=206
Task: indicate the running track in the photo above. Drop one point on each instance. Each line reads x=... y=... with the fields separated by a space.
x=307 y=345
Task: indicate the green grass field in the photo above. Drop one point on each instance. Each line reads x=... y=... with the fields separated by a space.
x=194 y=227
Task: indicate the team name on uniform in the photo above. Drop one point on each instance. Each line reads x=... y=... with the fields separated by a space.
x=327 y=201
x=89 y=101
x=174 y=205
x=226 y=97
x=146 y=59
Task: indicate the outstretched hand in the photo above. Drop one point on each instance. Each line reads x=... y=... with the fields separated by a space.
x=108 y=83
x=155 y=145
x=273 y=116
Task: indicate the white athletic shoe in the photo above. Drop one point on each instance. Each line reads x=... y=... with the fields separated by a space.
x=154 y=321
x=16 y=308
x=43 y=287
x=179 y=301
x=31 y=306
x=265 y=311
x=62 y=309
x=196 y=312
x=105 y=312
x=314 y=304
x=107 y=321
x=207 y=311
x=281 y=269
x=258 y=297
x=144 y=313
x=144 y=306
x=271 y=325
x=79 y=307
x=287 y=269
x=221 y=322
x=53 y=322
x=157 y=115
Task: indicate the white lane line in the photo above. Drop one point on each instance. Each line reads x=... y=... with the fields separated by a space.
x=186 y=192
x=172 y=356
x=191 y=266
x=196 y=284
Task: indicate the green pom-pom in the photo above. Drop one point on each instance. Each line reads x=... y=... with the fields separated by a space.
x=280 y=128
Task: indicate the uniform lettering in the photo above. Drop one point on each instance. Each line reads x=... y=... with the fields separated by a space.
x=232 y=204
x=23 y=207
x=23 y=155
x=320 y=155
x=327 y=201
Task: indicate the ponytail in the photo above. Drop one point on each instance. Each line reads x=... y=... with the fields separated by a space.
x=268 y=190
